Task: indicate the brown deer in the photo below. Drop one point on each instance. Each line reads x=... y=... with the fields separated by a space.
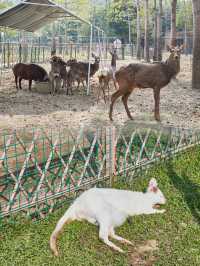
x=29 y=72
x=79 y=70
x=142 y=76
x=57 y=73
x=106 y=75
x=73 y=75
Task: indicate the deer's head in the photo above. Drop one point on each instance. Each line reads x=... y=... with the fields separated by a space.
x=57 y=63
x=114 y=54
x=97 y=58
x=71 y=62
x=175 y=52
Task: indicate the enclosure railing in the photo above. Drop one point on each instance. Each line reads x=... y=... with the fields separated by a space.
x=15 y=52
x=40 y=167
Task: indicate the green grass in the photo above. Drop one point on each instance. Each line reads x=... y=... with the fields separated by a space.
x=177 y=231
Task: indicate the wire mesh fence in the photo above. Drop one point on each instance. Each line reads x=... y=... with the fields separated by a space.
x=40 y=167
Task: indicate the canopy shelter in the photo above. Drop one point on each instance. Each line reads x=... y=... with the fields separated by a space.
x=31 y=15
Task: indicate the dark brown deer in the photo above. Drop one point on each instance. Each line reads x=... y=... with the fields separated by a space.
x=106 y=75
x=72 y=75
x=29 y=72
x=142 y=76
x=79 y=70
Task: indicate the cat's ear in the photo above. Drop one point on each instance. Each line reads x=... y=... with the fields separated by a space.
x=153 y=186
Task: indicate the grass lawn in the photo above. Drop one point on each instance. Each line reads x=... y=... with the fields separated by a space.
x=172 y=238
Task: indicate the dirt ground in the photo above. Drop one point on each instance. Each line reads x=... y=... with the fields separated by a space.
x=180 y=105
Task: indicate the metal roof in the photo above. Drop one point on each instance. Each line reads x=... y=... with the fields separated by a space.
x=30 y=15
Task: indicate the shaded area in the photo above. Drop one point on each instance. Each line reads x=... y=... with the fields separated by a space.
x=189 y=190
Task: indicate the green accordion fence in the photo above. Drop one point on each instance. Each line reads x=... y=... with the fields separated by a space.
x=39 y=168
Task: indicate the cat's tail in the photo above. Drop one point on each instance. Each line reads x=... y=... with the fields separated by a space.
x=68 y=217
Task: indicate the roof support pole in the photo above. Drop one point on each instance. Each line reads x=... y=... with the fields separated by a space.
x=89 y=67
x=100 y=49
x=2 y=49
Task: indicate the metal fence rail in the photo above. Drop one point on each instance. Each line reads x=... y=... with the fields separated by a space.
x=15 y=52
x=39 y=168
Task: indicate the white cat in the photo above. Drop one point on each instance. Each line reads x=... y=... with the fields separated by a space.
x=109 y=208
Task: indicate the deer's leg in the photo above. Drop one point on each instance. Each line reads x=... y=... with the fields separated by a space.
x=156 y=93
x=115 y=84
x=67 y=92
x=20 y=83
x=108 y=90
x=69 y=84
x=98 y=93
x=56 y=86
x=119 y=238
x=103 y=235
x=16 y=82
x=53 y=87
x=99 y=89
x=71 y=90
x=104 y=94
x=64 y=83
x=125 y=99
x=114 y=97
x=30 y=83
x=78 y=82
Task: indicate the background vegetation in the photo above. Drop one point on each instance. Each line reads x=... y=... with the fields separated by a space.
x=112 y=16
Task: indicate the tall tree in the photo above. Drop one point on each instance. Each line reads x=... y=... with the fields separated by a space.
x=146 y=30
x=155 y=31
x=138 y=45
x=196 y=45
x=159 y=31
x=173 y=22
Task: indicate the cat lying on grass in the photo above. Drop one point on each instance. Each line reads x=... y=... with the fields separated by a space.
x=109 y=208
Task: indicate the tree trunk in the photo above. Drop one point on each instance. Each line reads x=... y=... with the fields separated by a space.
x=146 y=30
x=185 y=30
x=155 y=32
x=138 y=46
x=53 y=47
x=159 y=32
x=173 y=22
x=196 y=45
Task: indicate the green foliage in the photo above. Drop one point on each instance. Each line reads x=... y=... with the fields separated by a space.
x=118 y=13
x=112 y=16
x=184 y=15
x=4 y=5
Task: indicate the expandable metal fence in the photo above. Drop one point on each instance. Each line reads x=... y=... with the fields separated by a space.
x=40 y=168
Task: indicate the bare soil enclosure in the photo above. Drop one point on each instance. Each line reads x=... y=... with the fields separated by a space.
x=179 y=105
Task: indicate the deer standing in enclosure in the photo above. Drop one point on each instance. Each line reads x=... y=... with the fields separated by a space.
x=109 y=208
x=73 y=76
x=57 y=73
x=29 y=72
x=155 y=76
x=106 y=75
x=79 y=70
